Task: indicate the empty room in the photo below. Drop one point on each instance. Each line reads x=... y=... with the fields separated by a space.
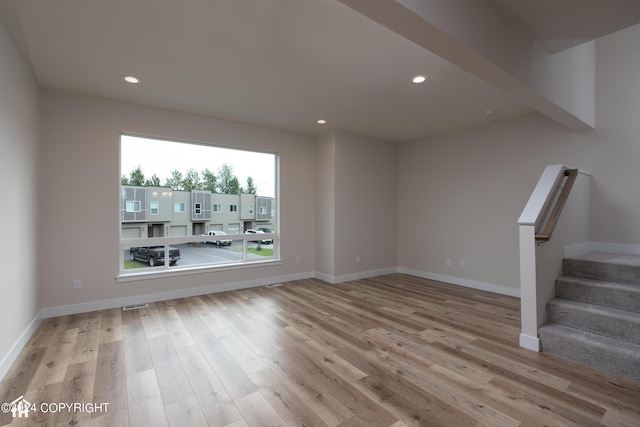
x=320 y=213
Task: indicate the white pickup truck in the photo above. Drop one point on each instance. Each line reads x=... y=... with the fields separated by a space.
x=218 y=242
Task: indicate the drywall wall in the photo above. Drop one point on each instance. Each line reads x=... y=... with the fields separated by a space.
x=19 y=305
x=365 y=204
x=79 y=193
x=325 y=205
x=356 y=206
x=460 y=194
x=615 y=200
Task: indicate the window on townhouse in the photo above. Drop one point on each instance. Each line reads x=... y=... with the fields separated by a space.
x=133 y=206
x=182 y=184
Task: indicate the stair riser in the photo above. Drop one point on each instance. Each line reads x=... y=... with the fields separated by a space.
x=606 y=359
x=625 y=328
x=626 y=300
x=602 y=271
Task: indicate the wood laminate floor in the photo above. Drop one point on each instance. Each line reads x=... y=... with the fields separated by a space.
x=389 y=351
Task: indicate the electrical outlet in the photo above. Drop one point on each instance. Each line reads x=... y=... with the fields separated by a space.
x=358 y=259
x=298 y=260
x=463 y=264
x=449 y=262
x=77 y=284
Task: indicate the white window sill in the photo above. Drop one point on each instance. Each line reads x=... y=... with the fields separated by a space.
x=149 y=274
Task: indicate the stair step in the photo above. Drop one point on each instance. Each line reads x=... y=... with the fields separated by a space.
x=617 y=324
x=620 y=268
x=620 y=296
x=606 y=354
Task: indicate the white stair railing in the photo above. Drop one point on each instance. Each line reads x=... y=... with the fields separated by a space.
x=536 y=223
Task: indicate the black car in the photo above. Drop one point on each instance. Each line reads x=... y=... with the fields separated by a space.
x=154 y=255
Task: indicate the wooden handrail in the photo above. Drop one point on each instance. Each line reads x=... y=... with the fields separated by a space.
x=545 y=236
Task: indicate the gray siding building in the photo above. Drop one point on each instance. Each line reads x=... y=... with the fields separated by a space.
x=161 y=211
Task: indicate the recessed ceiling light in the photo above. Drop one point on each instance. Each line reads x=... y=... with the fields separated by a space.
x=419 y=79
x=131 y=79
x=321 y=121
x=490 y=111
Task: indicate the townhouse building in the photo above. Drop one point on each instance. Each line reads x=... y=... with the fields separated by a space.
x=147 y=211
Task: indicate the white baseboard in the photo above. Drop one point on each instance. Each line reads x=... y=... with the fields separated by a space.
x=324 y=277
x=468 y=283
x=611 y=248
x=64 y=310
x=17 y=347
x=354 y=276
x=529 y=342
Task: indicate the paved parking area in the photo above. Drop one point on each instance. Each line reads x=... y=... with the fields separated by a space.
x=200 y=253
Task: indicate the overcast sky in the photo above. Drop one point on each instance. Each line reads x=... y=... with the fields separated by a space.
x=159 y=157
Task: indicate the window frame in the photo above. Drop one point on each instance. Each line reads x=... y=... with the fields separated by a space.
x=166 y=270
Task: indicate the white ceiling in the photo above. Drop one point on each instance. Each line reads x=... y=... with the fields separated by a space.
x=561 y=24
x=281 y=63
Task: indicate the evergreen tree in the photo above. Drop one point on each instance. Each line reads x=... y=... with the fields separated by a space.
x=209 y=181
x=136 y=177
x=176 y=181
x=251 y=188
x=154 y=181
x=191 y=180
x=228 y=183
x=234 y=186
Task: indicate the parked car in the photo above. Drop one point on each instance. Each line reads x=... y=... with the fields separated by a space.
x=218 y=242
x=154 y=255
x=266 y=241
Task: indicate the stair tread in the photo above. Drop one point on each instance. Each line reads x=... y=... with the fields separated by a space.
x=607 y=354
x=611 y=258
x=599 y=283
x=620 y=296
x=621 y=268
x=611 y=344
x=597 y=309
x=605 y=321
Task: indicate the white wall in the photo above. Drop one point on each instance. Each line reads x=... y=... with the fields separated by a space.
x=325 y=204
x=615 y=158
x=356 y=182
x=79 y=194
x=365 y=204
x=19 y=304
x=460 y=194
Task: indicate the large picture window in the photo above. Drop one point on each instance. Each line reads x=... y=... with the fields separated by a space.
x=181 y=185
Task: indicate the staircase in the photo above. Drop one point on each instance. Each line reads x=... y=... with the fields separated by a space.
x=595 y=318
